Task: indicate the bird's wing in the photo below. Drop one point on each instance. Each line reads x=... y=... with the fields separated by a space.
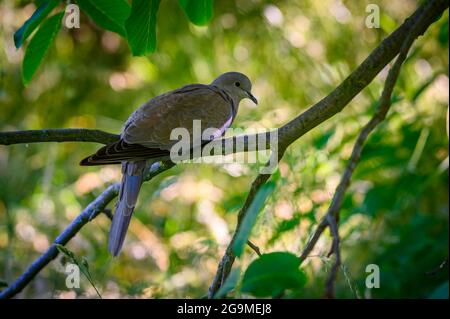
x=147 y=132
x=152 y=124
x=120 y=151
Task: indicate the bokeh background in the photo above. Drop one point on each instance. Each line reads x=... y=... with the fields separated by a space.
x=395 y=213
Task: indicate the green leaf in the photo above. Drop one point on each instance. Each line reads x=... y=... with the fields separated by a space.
x=229 y=284
x=82 y=264
x=271 y=274
x=108 y=14
x=443 y=33
x=163 y=185
x=424 y=86
x=440 y=292
x=36 y=18
x=70 y=255
x=39 y=45
x=141 y=26
x=198 y=12
x=323 y=139
x=276 y=176
x=284 y=226
x=251 y=216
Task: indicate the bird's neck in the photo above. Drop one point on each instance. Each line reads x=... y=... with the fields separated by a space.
x=234 y=102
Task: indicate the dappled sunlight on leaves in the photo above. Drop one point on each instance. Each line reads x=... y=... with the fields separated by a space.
x=395 y=213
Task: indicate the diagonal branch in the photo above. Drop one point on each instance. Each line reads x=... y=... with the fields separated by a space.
x=228 y=258
x=300 y=125
x=332 y=216
x=332 y=223
x=415 y=25
x=419 y=21
x=89 y=213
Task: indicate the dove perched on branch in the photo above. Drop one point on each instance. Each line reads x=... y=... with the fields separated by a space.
x=146 y=136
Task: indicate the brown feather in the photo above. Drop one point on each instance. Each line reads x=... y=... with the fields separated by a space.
x=146 y=134
x=152 y=124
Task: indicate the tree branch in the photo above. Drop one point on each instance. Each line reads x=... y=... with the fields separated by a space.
x=318 y=113
x=315 y=115
x=89 y=213
x=57 y=135
x=254 y=247
x=228 y=258
x=332 y=215
x=416 y=24
x=332 y=223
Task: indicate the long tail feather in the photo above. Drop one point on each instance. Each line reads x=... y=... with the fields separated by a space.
x=129 y=190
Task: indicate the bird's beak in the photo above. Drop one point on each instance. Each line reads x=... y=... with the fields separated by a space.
x=251 y=97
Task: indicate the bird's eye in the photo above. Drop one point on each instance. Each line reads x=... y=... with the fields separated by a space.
x=237 y=84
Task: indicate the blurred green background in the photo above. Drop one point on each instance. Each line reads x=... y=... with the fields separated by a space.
x=395 y=213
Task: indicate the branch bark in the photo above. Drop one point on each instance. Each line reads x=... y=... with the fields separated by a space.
x=89 y=213
x=334 y=230
x=57 y=135
x=331 y=218
x=419 y=21
x=414 y=26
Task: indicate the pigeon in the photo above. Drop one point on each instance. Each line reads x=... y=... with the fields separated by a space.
x=146 y=136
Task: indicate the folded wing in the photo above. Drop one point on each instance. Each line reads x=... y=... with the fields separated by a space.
x=146 y=134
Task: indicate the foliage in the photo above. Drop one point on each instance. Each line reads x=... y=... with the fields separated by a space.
x=39 y=45
x=271 y=274
x=230 y=283
x=137 y=24
x=441 y=292
x=81 y=263
x=250 y=219
x=198 y=11
x=395 y=213
x=141 y=26
x=108 y=14
x=38 y=16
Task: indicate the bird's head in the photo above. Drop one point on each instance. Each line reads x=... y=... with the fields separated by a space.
x=237 y=85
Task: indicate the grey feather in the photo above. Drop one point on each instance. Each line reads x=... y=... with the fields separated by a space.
x=129 y=189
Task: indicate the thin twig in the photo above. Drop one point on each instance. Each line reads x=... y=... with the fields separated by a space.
x=321 y=111
x=254 y=247
x=332 y=214
x=337 y=262
x=437 y=269
x=89 y=213
x=228 y=258
x=420 y=20
x=93 y=209
x=108 y=213
x=303 y=123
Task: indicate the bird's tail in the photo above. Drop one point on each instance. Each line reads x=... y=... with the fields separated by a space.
x=129 y=189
